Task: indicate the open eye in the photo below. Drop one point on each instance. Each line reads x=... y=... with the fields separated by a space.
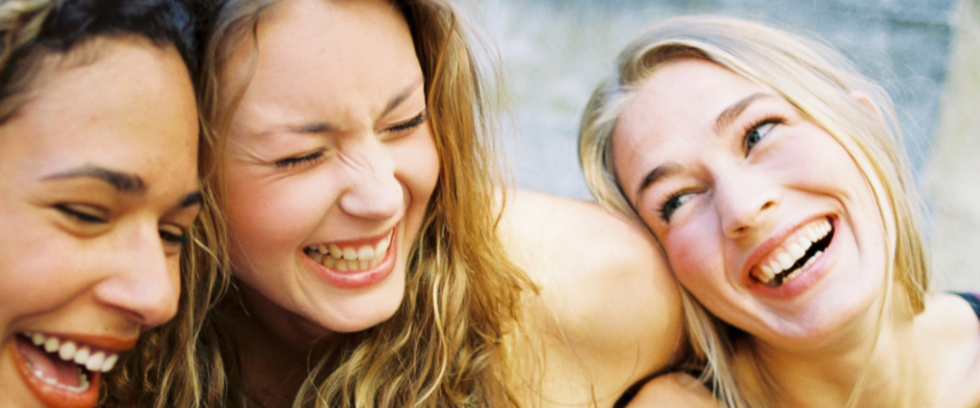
x=756 y=132
x=295 y=161
x=672 y=203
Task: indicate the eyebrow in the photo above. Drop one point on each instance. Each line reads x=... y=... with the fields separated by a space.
x=655 y=175
x=728 y=116
x=322 y=127
x=122 y=182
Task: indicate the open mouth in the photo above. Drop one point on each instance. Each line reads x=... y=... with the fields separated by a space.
x=796 y=254
x=350 y=258
x=68 y=365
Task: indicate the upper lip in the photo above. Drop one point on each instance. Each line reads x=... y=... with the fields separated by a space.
x=372 y=240
x=774 y=242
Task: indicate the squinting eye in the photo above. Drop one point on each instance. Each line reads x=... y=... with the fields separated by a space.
x=411 y=124
x=294 y=161
x=756 y=133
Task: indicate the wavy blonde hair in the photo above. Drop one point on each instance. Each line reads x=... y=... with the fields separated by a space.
x=821 y=84
x=445 y=346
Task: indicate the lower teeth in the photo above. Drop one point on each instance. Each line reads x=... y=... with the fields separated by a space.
x=805 y=265
x=82 y=386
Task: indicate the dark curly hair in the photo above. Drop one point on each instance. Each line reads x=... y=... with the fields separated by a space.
x=32 y=29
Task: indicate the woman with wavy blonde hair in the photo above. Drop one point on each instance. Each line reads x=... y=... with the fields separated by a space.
x=773 y=177
x=374 y=261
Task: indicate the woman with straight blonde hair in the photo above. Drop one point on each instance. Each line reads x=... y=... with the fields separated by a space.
x=376 y=259
x=773 y=177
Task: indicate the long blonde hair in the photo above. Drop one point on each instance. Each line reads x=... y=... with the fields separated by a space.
x=445 y=346
x=821 y=84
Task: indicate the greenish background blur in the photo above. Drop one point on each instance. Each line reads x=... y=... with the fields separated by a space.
x=926 y=54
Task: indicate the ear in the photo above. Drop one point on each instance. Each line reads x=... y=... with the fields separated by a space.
x=866 y=101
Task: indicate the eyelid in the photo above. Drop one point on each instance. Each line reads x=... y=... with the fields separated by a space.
x=298 y=160
x=411 y=123
x=72 y=211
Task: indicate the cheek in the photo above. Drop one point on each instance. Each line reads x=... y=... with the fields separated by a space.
x=417 y=164
x=271 y=217
x=696 y=257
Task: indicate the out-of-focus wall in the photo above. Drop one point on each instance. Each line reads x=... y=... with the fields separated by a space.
x=554 y=52
x=951 y=176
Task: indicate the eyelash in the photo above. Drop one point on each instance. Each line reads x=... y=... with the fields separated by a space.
x=175 y=239
x=295 y=161
x=411 y=124
x=755 y=126
x=79 y=215
x=671 y=204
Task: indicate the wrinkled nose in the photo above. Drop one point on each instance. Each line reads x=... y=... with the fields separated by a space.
x=744 y=201
x=373 y=191
x=143 y=283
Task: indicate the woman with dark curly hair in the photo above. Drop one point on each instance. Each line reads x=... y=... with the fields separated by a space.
x=98 y=191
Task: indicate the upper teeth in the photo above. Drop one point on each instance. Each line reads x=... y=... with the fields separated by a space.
x=794 y=248
x=349 y=258
x=81 y=354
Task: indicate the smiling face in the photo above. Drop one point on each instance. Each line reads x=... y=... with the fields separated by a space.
x=764 y=217
x=98 y=185
x=329 y=165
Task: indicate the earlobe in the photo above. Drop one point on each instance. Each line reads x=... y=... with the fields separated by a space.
x=866 y=101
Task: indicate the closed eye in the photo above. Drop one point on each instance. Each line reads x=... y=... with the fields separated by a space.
x=79 y=214
x=295 y=161
x=411 y=123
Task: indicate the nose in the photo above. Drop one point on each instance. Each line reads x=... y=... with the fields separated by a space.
x=374 y=192
x=744 y=200
x=143 y=284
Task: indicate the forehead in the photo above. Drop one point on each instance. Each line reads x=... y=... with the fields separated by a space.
x=674 y=110
x=315 y=53
x=130 y=108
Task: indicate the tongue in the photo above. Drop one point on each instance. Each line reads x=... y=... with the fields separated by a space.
x=50 y=365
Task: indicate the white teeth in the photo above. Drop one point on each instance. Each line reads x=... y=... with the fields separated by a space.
x=796 y=251
x=82 y=355
x=350 y=253
x=784 y=261
x=67 y=351
x=95 y=362
x=70 y=351
x=349 y=258
x=365 y=252
x=51 y=344
x=109 y=363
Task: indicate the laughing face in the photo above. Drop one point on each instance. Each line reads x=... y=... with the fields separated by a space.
x=764 y=217
x=98 y=185
x=330 y=163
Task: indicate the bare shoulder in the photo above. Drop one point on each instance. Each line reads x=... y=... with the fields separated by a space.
x=951 y=339
x=674 y=391
x=607 y=303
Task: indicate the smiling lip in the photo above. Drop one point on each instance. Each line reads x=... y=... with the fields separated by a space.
x=806 y=277
x=353 y=280
x=56 y=396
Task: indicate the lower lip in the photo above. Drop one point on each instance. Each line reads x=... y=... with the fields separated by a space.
x=359 y=279
x=806 y=279
x=50 y=395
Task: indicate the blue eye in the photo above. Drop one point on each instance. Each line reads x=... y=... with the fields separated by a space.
x=671 y=204
x=757 y=132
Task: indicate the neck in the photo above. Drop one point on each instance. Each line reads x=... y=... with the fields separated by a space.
x=277 y=349
x=872 y=355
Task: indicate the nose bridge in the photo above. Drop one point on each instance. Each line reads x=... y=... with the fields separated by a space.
x=744 y=197
x=373 y=191
x=142 y=282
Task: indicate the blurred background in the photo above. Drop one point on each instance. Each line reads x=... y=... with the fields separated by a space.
x=926 y=53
